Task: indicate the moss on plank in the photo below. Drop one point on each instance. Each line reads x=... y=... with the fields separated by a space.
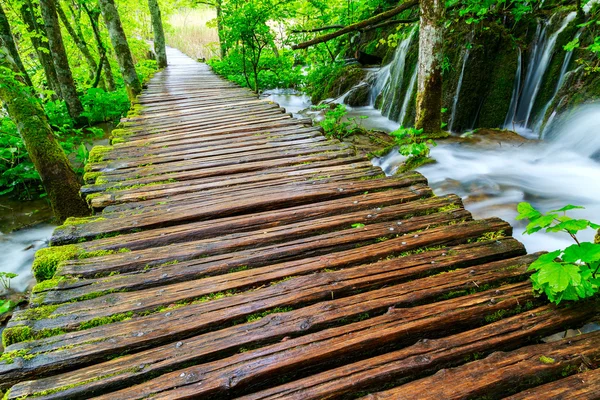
x=97 y=153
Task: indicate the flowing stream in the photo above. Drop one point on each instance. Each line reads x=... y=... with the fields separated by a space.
x=492 y=179
x=538 y=64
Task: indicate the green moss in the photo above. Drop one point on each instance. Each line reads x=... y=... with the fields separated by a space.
x=90 y=177
x=91 y=197
x=114 y=141
x=49 y=284
x=547 y=360
x=80 y=221
x=101 y=180
x=121 y=133
x=37 y=313
x=97 y=153
x=105 y=320
x=15 y=334
x=414 y=162
x=258 y=316
x=141 y=185
x=47 y=260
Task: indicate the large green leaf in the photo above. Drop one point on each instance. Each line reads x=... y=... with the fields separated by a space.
x=559 y=276
x=526 y=211
x=567 y=208
x=585 y=252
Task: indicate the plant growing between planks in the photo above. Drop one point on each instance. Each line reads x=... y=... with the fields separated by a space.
x=572 y=273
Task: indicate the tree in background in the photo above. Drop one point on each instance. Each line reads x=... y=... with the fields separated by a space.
x=58 y=178
x=159 y=34
x=429 y=95
x=121 y=46
x=37 y=36
x=7 y=40
x=60 y=60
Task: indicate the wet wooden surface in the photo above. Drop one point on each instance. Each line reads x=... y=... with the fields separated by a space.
x=238 y=253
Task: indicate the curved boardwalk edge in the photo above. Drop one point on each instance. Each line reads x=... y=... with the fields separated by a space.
x=237 y=252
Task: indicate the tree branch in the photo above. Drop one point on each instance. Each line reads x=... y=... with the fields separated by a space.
x=358 y=26
x=323 y=28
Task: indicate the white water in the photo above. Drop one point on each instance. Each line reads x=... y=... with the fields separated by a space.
x=391 y=77
x=412 y=85
x=508 y=122
x=458 y=87
x=492 y=181
x=17 y=249
x=561 y=80
x=536 y=69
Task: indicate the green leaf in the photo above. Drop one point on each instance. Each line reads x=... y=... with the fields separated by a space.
x=526 y=211
x=540 y=223
x=6 y=306
x=559 y=276
x=543 y=260
x=358 y=225
x=567 y=208
x=585 y=252
x=571 y=225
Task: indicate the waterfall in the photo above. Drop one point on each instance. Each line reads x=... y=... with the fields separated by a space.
x=579 y=132
x=512 y=110
x=458 y=86
x=536 y=69
x=409 y=92
x=391 y=77
x=561 y=81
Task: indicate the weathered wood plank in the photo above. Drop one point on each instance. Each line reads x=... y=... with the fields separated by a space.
x=429 y=355
x=582 y=386
x=501 y=373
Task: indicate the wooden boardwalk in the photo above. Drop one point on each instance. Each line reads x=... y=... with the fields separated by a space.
x=238 y=253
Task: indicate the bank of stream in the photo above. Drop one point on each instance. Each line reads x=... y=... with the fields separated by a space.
x=492 y=176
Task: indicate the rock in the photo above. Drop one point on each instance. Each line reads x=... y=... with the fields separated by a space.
x=368 y=59
x=359 y=96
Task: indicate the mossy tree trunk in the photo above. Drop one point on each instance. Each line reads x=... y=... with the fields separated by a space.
x=49 y=159
x=429 y=95
x=38 y=34
x=159 y=34
x=61 y=62
x=94 y=16
x=79 y=42
x=220 y=32
x=7 y=40
x=122 y=50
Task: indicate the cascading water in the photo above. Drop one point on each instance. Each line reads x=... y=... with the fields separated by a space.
x=510 y=117
x=561 y=80
x=493 y=179
x=408 y=96
x=536 y=69
x=390 y=78
x=458 y=87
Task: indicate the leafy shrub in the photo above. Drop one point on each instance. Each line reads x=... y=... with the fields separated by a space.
x=102 y=106
x=334 y=124
x=567 y=274
x=415 y=145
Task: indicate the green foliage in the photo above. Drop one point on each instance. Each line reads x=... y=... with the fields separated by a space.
x=570 y=273
x=5 y=278
x=102 y=106
x=336 y=123
x=6 y=306
x=413 y=144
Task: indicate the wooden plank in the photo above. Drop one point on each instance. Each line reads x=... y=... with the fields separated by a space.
x=279 y=197
x=428 y=355
x=303 y=321
x=502 y=373
x=582 y=386
x=330 y=347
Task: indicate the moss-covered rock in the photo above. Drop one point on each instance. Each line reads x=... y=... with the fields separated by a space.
x=339 y=83
x=359 y=96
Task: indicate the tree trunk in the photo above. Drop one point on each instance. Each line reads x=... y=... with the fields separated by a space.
x=61 y=63
x=119 y=42
x=429 y=95
x=7 y=40
x=41 y=47
x=94 y=16
x=49 y=159
x=222 y=42
x=159 y=34
x=81 y=45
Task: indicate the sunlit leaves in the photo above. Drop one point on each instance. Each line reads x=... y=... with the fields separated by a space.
x=569 y=274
